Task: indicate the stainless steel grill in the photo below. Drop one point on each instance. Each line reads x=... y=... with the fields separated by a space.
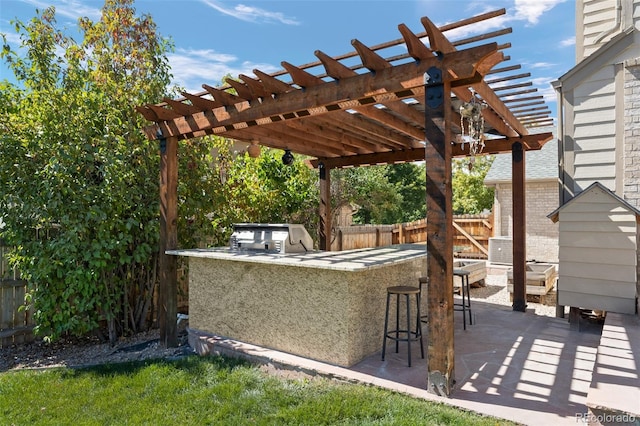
x=271 y=237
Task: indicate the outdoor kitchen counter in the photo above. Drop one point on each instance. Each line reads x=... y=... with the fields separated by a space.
x=327 y=306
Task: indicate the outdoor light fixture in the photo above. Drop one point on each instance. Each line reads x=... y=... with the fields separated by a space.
x=254 y=149
x=472 y=126
x=287 y=158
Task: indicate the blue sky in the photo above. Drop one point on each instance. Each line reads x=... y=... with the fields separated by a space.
x=213 y=38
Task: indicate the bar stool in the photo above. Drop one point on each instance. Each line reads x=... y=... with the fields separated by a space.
x=406 y=291
x=423 y=281
x=465 y=305
x=466 y=296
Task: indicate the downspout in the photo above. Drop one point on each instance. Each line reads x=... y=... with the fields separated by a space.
x=616 y=24
x=557 y=85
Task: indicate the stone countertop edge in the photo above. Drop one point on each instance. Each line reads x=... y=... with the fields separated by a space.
x=348 y=260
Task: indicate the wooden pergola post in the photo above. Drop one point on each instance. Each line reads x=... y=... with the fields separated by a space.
x=325 y=208
x=439 y=292
x=168 y=276
x=519 y=228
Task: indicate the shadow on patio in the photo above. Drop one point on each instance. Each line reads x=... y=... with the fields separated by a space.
x=520 y=366
x=527 y=368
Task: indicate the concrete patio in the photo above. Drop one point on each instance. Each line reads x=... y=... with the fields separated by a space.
x=519 y=366
x=523 y=367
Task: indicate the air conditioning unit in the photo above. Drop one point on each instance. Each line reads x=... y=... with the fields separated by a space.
x=501 y=250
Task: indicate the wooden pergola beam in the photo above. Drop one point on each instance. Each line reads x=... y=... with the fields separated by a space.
x=498 y=116
x=532 y=142
x=389 y=157
x=388 y=84
x=291 y=136
x=375 y=62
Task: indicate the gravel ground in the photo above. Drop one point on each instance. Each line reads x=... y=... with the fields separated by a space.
x=88 y=351
x=495 y=291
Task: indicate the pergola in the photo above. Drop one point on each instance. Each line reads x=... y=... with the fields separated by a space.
x=394 y=102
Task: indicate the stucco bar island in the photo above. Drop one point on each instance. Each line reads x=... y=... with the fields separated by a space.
x=328 y=306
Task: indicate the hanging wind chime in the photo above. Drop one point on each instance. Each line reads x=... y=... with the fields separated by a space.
x=472 y=127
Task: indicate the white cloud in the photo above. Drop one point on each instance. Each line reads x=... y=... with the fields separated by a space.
x=549 y=94
x=541 y=65
x=492 y=24
x=192 y=68
x=542 y=81
x=73 y=9
x=544 y=88
x=251 y=14
x=13 y=38
x=571 y=41
x=532 y=10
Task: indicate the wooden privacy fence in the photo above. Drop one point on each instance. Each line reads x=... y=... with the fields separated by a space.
x=16 y=326
x=362 y=236
x=470 y=238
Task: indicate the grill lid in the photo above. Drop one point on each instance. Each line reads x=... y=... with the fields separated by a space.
x=271 y=237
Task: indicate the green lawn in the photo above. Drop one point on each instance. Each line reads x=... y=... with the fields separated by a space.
x=206 y=390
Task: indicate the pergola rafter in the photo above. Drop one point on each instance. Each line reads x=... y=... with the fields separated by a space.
x=384 y=109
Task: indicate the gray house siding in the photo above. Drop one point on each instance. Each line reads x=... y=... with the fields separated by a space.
x=599 y=126
x=598 y=21
x=593 y=104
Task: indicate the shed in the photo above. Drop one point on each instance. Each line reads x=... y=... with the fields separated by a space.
x=598 y=246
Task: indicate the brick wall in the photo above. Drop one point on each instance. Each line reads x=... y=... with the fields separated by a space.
x=632 y=139
x=632 y=132
x=541 y=198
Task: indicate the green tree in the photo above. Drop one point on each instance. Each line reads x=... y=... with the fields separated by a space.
x=369 y=190
x=383 y=194
x=261 y=189
x=410 y=182
x=470 y=195
x=78 y=194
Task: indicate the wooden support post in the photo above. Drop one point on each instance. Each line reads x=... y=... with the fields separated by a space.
x=168 y=291
x=325 y=208
x=440 y=357
x=519 y=228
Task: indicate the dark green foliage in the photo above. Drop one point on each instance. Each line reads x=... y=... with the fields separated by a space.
x=79 y=181
x=470 y=195
x=244 y=189
x=382 y=194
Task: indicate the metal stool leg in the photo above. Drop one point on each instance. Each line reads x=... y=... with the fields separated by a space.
x=464 y=304
x=423 y=281
x=469 y=301
x=386 y=323
x=419 y=324
x=408 y=302
x=397 y=321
